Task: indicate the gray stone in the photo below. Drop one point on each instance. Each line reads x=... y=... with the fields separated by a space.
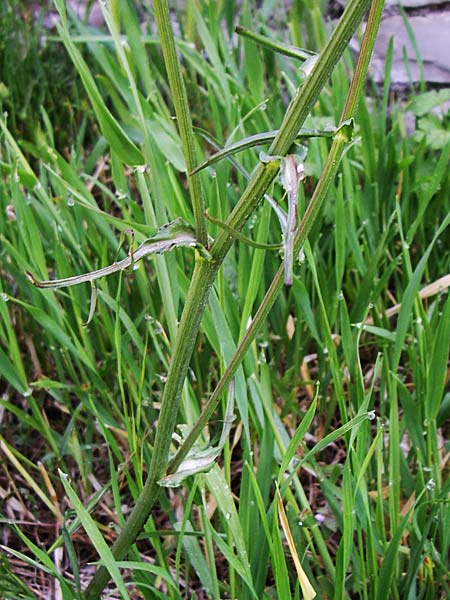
x=432 y=34
x=414 y=3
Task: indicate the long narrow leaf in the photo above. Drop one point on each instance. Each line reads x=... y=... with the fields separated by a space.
x=113 y=132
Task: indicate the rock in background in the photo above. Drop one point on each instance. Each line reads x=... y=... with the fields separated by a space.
x=429 y=24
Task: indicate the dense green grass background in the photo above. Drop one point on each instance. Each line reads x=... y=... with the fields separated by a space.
x=368 y=509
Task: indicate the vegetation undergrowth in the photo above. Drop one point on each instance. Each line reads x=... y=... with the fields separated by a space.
x=330 y=477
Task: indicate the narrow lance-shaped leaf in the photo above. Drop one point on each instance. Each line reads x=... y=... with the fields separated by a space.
x=281 y=215
x=113 y=132
x=292 y=172
x=256 y=140
x=200 y=461
x=174 y=234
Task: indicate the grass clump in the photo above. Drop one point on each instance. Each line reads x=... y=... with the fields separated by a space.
x=331 y=478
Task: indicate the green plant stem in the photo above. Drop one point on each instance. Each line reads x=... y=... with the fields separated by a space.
x=306 y=224
x=206 y=271
x=260 y=316
x=180 y=102
x=275 y=46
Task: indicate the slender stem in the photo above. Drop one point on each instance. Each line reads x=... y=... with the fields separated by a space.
x=275 y=46
x=206 y=271
x=267 y=303
x=305 y=226
x=180 y=102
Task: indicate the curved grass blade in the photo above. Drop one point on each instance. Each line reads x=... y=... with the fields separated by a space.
x=95 y=536
x=113 y=132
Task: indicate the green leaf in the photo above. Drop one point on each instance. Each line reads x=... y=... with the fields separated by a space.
x=255 y=140
x=200 y=461
x=437 y=369
x=436 y=133
x=222 y=493
x=193 y=549
x=422 y=104
x=110 y=128
x=11 y=374
x=171 y=235
x=95 y=536
x=298 y=436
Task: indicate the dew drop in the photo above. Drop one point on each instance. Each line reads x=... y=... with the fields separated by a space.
x=371 y=415
x=70 y=201
x=120 y=194
x=4 y=296
x=431 y=485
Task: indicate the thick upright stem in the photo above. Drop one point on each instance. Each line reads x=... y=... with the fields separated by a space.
x=205 y=273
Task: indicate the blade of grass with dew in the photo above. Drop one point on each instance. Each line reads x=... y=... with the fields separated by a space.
x=111 y=129
x=437 y=367
x=278 y=559
x=193 y=549
x=97 y=539
x=298 y=436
